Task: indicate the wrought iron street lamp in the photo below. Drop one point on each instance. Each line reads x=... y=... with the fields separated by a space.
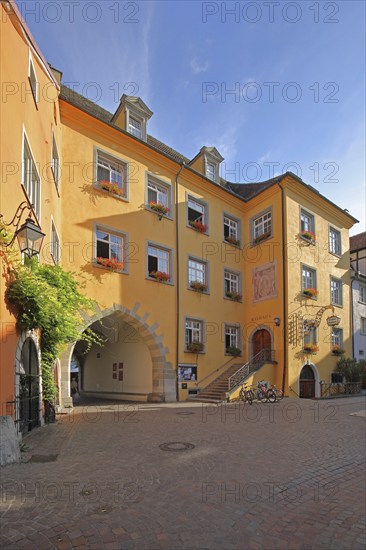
x=30 y=236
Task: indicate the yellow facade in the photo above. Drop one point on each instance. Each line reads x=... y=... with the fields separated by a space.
x=269 y=272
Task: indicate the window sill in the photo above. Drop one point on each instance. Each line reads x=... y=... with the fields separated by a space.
x=207 y=292
x=120 y=197
x=161 y=216
x=231 y=300
x=99 y=266
x=307 y=297
x=339 y=256
x=254 y=243
x=194 y=352
x=164 y=283
x=233 y=356
x=308 y=241
x=205 y=234
x=238 y=246
x=337 y=305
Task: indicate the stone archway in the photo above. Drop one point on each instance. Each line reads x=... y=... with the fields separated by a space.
x=163 y=374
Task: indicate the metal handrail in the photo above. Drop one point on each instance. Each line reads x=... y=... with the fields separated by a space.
x=199 y=382
x=255 y=362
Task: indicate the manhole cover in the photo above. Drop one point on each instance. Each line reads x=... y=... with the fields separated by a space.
x=186 y=412
x=43 y=458
x=176 y=446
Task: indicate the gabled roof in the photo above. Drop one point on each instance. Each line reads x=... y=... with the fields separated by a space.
x=357 y=242
x=244 y=191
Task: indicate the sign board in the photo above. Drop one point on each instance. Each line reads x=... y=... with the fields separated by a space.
x=333 y=320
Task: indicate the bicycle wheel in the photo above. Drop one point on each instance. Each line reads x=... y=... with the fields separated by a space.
x=262 y=396
x=249 y=396
x=242 y=394
x=279 y=395
x=271 y=396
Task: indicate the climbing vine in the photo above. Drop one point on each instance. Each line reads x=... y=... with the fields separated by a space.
x=49 y=299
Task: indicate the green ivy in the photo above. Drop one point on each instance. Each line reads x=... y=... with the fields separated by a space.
x=48 y=298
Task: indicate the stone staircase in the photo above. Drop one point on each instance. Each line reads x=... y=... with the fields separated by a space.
x=216 y=390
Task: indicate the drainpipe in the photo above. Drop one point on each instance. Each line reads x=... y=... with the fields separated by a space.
x=284 y=283
x=351 y=315
x=177 y=275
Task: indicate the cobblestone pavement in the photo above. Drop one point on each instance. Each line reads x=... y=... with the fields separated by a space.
x=289 y=475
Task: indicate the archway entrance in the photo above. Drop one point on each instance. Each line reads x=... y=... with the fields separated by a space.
x=262 y=341
x=131 y=366
x=307 y=382
x=29 y=388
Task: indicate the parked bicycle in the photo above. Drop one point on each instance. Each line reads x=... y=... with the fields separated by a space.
x=265 y=394
x=246 y=394
x=278 y=392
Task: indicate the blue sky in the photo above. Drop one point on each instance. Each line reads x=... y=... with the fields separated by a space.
x=296 y=70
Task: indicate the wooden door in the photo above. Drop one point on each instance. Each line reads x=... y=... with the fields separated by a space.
x=262 y=340
x=307 y=382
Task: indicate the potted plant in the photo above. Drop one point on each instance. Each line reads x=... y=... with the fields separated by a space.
x=337 y=350
x=262 y=237
x=233 y=350
x=308 y=235
x=235 y=296
x=111 y=263
x=159 y=208
x=195 y=347
x=310 y=292
x=198 y=286
x=310 y=348
x=198 y=226
x=160 y=276
x=232 y=240
x=112 y=187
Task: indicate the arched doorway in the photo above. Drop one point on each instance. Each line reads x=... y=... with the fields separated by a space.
x=262 y=340
x=29 y=388
x=307 y=382
x=135 y=369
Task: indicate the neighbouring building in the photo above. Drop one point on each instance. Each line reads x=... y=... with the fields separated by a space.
x=196 y=278
x=358 y=288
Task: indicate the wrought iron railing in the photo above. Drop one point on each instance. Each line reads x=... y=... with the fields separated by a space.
x=199 y=382
x=251 y=366
x=347 y=388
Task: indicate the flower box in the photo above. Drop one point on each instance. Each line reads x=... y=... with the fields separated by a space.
x=160 y=276
x=234 y=351
x=235 y=296
x=310 y=292
x=198 y=226
x=310 y=348
x=110 y=263
x=159 y=208
x=198 y=286
x=262 y=237
x=337 y=350
x=195 y=347
x=112 y=187
x=308 y=235
x=232 y=240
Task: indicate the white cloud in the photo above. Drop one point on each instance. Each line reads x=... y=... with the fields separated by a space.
x=198 y=67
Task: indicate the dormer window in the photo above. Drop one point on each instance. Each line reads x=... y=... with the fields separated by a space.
x=135 y=127
x=211 y=170
x=132 y=115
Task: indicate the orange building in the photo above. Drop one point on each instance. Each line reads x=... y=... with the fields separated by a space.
x=201 y=283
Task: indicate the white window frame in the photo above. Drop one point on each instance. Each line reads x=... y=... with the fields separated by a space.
x=203 y=215
x=312 y=271
x=309 y=334
x=136 y=130
x=31 y=180
x=234 y=229
x=335 y=241
x=204 y=271
x=307 y=221
x=114 y=233
x=160 y=187
x=55 y=243
x=259 y=225
x=230 y=276
x=336 y=337
x=362 y=294
x=152 y=245
x=116 y=164
x=34 y=84
x=363 y=325
x=55 y=161
x=334 y=280
x=195 y=327
x=233 y=332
